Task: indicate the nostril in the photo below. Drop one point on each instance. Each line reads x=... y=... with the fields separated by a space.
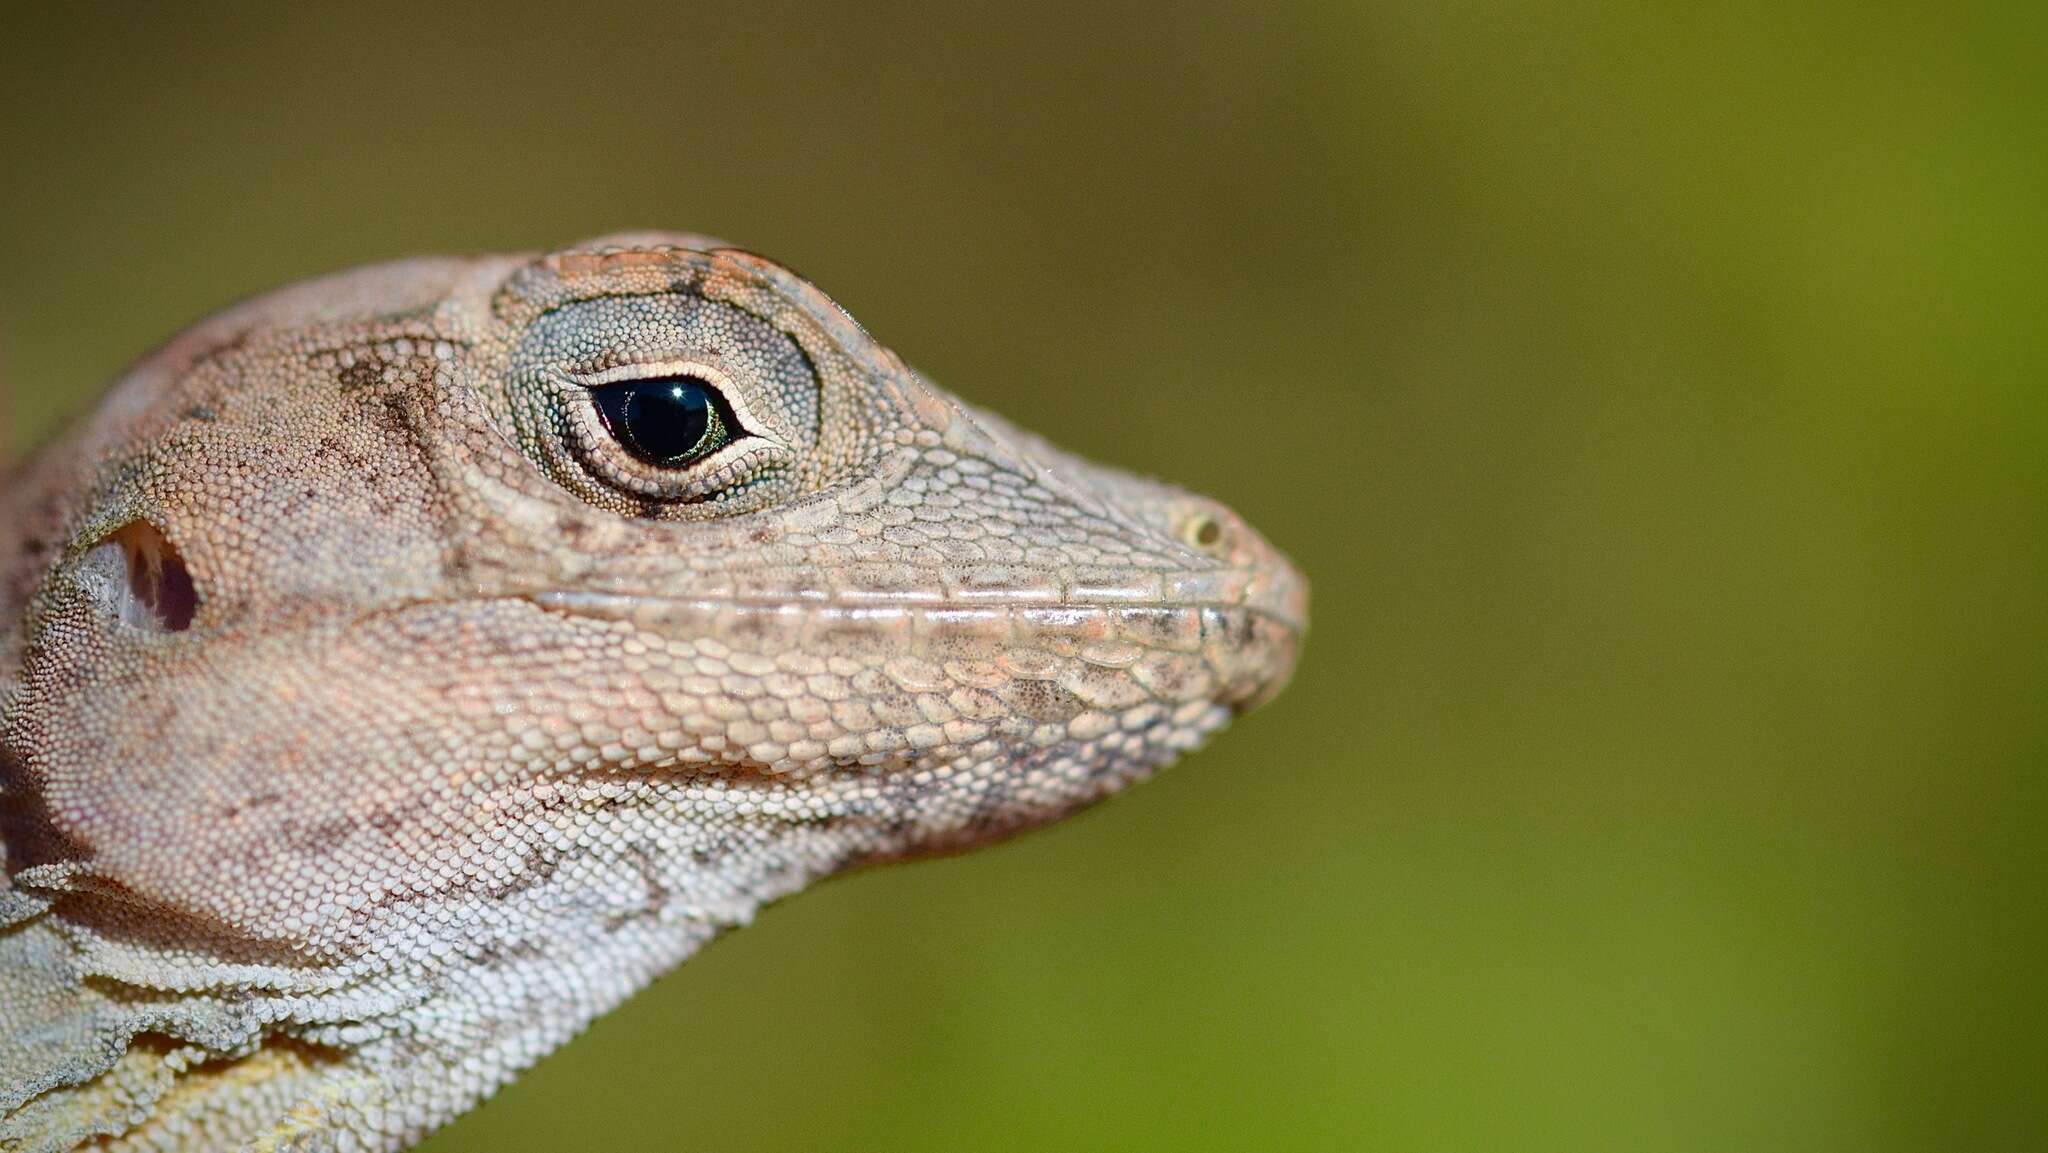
x=144 y=578
x=1205 y=531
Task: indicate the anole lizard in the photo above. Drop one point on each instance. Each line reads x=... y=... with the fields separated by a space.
x=402 y=668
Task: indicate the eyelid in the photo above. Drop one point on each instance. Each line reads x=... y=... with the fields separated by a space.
x=734 y=463
x=750 y=425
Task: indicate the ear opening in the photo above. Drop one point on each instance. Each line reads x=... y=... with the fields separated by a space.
x=150 y=586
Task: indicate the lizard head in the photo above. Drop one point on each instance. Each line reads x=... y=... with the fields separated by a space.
x=588 y=594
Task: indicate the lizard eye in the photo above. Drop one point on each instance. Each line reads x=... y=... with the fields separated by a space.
x=677 y=432
x=667 y=421
x=667 y=407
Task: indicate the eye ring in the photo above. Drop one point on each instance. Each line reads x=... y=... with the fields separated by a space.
x=641 y=461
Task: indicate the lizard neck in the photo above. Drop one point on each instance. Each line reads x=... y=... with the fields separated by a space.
x=485 y=979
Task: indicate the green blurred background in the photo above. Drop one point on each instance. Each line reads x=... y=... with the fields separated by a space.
x=1653 y=392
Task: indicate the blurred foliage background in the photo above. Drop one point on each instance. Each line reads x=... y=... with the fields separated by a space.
x=1653 y=392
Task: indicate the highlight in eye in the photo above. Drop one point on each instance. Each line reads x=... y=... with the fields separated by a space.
x=668 y=421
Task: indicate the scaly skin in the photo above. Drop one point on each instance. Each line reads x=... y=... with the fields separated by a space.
x=373 y=719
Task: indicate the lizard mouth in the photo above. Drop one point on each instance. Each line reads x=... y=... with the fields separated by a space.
x=1247 y=632
x=988 y=600
x=1168 y=624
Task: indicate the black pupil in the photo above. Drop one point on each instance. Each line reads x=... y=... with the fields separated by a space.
x=664 y=422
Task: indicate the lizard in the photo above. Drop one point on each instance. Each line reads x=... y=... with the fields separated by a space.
x=401 y=669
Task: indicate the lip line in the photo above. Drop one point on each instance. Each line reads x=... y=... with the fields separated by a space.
x=582 y=602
